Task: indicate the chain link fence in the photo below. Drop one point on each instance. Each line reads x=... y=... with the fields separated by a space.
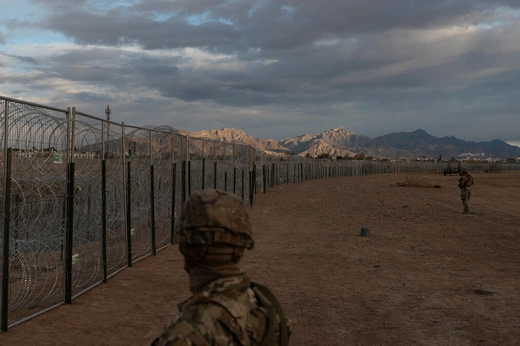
x=84 y=197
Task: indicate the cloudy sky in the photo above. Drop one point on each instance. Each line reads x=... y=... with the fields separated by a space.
x=272 y=68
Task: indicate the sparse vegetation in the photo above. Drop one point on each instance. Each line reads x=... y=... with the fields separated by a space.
x=324 y=156
x=416 y=180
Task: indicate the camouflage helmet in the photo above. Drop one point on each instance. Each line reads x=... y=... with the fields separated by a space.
x=214 y=217
x=464 y=170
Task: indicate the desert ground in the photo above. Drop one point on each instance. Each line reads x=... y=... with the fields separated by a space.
x=426 y=275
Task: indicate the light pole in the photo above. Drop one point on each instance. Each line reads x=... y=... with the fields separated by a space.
x=108 y=111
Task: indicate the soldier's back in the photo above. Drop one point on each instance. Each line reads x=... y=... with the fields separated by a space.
x=226 y=312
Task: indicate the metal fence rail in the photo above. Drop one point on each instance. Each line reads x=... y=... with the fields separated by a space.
x=84 y=197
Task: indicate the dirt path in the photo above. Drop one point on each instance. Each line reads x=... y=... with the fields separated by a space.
x=426 y=275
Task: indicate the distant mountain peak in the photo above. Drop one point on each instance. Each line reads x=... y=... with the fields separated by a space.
x=343 y=142
x=341 y=130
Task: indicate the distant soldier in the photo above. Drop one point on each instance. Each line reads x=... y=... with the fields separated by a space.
x=465 y=182
x=226 y=308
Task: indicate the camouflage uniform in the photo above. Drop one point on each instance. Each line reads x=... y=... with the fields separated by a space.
x=465 y=182
x=226 y=307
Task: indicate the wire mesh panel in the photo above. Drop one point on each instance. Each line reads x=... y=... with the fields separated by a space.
x=37 y=137
x=179 y=157
x=224 y=165
x=195 y=164
x=89 y=143
x=242 y=166
x=208 y=161
x=162 y=159
x=113 y=154
x=256 y=170
x=139 y=144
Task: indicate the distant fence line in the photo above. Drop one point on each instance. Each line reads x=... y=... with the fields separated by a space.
x=84 y=197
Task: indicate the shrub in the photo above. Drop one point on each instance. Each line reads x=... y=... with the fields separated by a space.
x=324 y=156
x=415 y=180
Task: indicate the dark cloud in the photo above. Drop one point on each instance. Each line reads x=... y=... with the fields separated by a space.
x=23 y=59
x=86 y=56
x=17 y=23
x=376 y=66
x=89 y=97
x=116 y=30
x=278 y=25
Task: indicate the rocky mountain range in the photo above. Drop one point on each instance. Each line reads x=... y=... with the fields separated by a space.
x=346 y=143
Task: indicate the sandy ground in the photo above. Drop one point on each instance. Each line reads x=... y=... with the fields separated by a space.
x=426 y=275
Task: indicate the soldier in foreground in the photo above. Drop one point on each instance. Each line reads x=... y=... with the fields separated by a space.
x=226 y=308
x=465 y=182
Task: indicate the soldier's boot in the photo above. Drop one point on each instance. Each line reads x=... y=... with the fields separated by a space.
x=466 y=211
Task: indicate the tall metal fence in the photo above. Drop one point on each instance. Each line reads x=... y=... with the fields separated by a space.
x=85 y=197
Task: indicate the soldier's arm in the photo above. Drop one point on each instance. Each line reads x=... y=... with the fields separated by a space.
x=186 y=330
x=182 y=334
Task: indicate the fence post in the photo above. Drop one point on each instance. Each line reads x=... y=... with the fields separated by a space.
x=215 y=165
x=152 y=207
x=234 y=179
x=189 y=177
x=243 y=180
x=104 y=215
x=69 y=224
x=273 y=175
x=7 y=221
x=152 y=193
x=203 y=182
x=234 y=167
x=264 y=182
x=254 y=179
x=276 y=180
x=174 y=188
x=68 y=140
x=7 y=211
x=252 y=184
x=188 y=153
x=250 y=188
x=69 y=233
x=183 y=181
x=129 y=212
x=215 y=174
x=225 y=180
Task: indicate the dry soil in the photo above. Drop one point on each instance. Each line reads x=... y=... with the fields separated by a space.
x=426 y=274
